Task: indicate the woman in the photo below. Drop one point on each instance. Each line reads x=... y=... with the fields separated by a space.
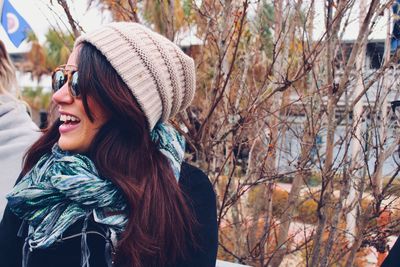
x=105 y=186
x=17 y=131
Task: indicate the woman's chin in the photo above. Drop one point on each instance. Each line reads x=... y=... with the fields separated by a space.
x=65 y=145
x=72 y=146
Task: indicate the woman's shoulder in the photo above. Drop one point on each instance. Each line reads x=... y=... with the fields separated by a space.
x=197 y=187
x=201 y=198
x=194 y=178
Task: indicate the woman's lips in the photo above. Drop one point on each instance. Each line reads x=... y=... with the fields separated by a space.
x=68 y=127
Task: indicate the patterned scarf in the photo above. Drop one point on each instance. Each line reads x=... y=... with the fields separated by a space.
x=63 y=188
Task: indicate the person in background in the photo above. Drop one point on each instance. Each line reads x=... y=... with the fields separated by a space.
x=17 y=130
x=106 y=185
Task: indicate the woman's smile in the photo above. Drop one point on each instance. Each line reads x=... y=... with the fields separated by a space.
x=69 y=123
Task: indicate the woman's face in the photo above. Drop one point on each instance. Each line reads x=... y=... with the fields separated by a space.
x=77 y=130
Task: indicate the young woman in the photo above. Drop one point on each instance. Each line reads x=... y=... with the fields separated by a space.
x=105 y=184
x=17 y=131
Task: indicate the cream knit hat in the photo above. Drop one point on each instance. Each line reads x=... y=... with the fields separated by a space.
x=161 y=77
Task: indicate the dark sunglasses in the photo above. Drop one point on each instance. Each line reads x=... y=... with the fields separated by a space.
x=60 y=76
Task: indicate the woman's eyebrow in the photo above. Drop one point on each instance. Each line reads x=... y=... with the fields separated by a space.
x=71 y=67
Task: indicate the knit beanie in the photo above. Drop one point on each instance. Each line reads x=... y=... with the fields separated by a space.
x=160 y=76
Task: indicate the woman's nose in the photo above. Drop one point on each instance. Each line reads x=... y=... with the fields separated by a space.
x=62 y=95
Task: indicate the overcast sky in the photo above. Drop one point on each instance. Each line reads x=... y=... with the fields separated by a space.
x=40 y=15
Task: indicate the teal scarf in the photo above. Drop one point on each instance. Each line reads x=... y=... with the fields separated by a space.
x=63 y=188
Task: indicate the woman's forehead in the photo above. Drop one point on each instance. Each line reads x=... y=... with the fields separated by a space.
x=72 y=63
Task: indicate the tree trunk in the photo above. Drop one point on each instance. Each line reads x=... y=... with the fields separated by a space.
x=326 y=174
x=377 y=177
x=279 y=40
x=356 y=141
x=168 y=10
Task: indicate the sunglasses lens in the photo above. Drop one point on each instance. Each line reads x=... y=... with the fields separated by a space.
x=59 y=80
x=74 y=84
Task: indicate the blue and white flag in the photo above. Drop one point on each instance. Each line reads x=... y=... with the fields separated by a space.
x=14 y=24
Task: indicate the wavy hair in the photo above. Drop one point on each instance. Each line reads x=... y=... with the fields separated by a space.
x=8 y=81
x=160 y=224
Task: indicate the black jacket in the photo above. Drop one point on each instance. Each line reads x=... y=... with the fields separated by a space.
x=67 y=253
x=393 y=259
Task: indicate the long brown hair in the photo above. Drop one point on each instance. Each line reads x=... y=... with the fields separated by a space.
x=160 y=225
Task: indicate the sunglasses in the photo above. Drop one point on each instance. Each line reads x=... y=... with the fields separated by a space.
x=60 y=76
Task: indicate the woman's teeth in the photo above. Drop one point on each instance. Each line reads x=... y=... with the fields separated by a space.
x=68 y=118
